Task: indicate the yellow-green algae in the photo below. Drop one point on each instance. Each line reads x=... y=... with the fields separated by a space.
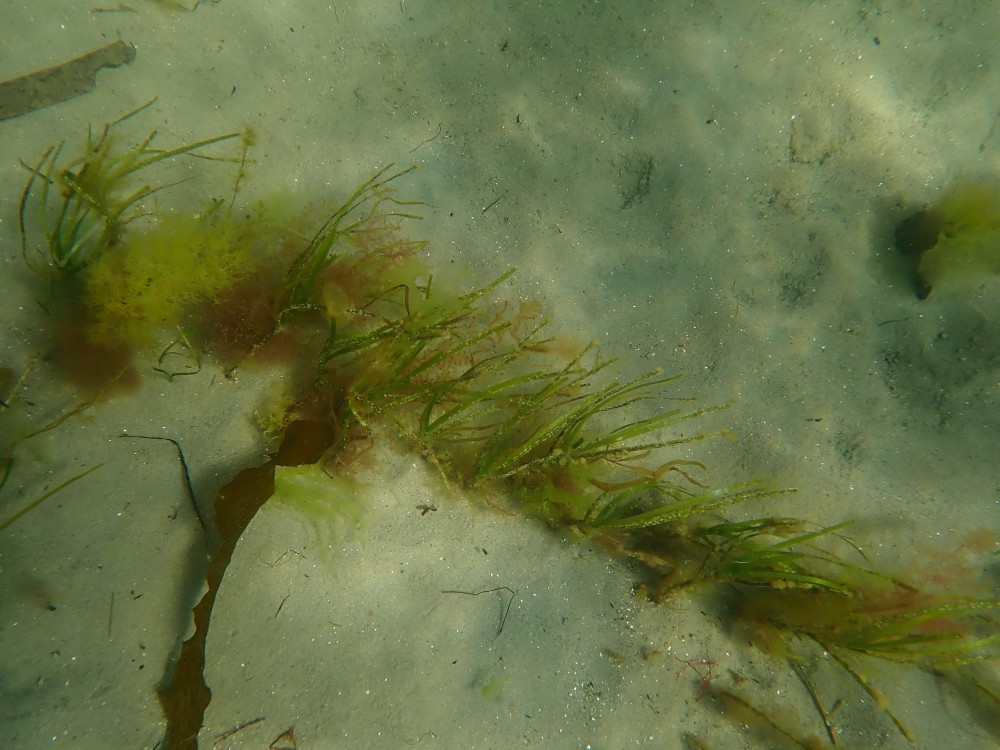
x=487 y=398
x=967 y=250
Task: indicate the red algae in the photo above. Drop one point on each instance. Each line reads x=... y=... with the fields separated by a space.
x=93 y=368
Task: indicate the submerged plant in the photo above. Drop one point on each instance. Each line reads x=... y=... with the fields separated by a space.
x=968 y=245
x=360 y=209
x=375 y=340
x=10 y=437
x=85 y=203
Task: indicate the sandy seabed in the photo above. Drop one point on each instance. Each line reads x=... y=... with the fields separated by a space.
x=709 y=188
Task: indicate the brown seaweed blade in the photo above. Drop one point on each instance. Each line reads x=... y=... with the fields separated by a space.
x=185 y=695
x=61 y=82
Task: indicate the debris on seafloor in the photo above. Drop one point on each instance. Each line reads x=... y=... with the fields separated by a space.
x=61 y=82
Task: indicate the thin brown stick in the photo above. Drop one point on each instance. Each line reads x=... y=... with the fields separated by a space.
x=490 y=591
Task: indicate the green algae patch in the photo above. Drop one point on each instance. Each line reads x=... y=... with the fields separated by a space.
x=154 y=278
x=968 y=245
x=377 y=348
x=333 y=505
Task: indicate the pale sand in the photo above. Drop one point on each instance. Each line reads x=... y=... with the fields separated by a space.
x=709 y=190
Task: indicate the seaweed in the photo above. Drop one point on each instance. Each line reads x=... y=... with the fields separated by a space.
x=354 y=213
x=85 y=203
x=854 y=615
x=62 y=82
x=41 y=498
x=11 y=441
x=493 y=402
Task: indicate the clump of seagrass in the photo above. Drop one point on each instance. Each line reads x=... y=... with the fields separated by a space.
x=480 y=391
x=84 y=204
x=494 y=403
